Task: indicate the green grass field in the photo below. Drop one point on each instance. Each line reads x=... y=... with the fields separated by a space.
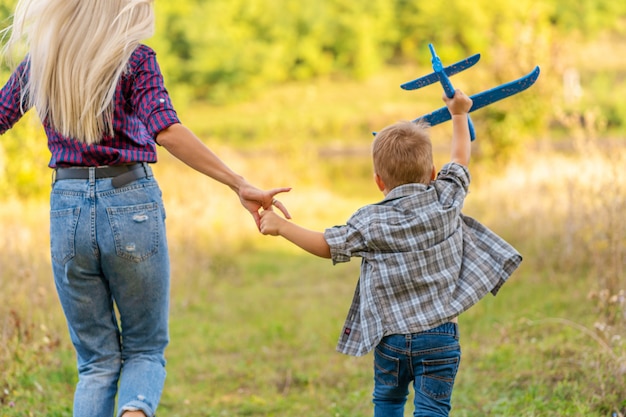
x=254 y=321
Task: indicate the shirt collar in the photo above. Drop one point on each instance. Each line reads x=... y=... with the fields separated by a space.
x=405 y=190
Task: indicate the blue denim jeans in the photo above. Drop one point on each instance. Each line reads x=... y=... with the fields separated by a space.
x=109 y=248
x=428 y=359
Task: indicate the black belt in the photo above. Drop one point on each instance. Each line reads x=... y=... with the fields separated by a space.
x=120 y=174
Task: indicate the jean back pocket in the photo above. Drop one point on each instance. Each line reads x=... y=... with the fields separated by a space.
x=136 y=230
x=62 y=234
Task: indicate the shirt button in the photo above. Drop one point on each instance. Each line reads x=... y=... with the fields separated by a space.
x=162 y=101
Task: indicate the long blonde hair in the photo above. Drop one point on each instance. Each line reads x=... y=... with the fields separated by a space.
x=78 y=50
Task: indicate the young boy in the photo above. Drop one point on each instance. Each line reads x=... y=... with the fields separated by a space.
x=423 y=263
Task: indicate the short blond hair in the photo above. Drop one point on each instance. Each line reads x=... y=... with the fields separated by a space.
x=402 y=154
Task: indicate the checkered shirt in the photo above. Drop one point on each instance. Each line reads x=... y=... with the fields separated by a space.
x=142 y=108
x=423 y=261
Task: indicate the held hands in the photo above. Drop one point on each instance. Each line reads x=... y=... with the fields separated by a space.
x=459 y=104
x=270 y=222
x=309 y=240
x=254 y=199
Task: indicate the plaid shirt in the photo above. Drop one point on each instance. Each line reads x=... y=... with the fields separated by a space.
x=423 y=262
x=142 y=109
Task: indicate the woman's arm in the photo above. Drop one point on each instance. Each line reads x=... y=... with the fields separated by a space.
x=185 y=145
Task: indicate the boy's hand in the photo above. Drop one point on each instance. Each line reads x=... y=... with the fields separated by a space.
x=270 y=222
x=309 y=240
x=254 y=199
x=459 y=104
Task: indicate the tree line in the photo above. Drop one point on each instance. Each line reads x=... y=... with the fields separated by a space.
x=222 y=47
x=225 y=50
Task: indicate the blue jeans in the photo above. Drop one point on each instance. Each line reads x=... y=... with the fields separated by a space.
x=109 y=248
x=428 y=359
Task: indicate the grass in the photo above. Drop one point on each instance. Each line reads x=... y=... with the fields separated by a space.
x=254 y=321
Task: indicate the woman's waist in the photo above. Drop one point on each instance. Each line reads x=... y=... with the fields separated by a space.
x=120 y=175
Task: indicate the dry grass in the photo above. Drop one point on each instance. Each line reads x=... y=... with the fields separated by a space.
x=567 y=211
x=564 y=211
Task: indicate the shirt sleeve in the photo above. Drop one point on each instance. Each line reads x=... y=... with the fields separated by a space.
x=346 y=241
x=452 y=184
x=12 y=106
x=150 y=98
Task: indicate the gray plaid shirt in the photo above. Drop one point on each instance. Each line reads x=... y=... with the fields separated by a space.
x=423 y=262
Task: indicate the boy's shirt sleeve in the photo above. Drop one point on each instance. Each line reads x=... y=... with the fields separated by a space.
x=489 y=259
x=347 y=240
x=452 y=184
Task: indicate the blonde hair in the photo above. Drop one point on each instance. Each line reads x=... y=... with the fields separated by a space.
x=77 y=51
x=402 y=154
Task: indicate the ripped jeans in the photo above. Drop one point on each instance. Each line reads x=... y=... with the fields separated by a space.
x=429 y=360
x=109 y=252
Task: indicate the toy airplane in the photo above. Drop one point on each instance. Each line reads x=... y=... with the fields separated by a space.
x=480 y=100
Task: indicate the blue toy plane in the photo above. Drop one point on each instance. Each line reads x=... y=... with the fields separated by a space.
x=480 y=100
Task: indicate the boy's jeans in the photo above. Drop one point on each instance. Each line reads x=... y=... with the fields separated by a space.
x=108 y=246
x=428 y=359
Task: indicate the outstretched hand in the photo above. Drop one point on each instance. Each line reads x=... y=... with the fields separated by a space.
x=254 y=199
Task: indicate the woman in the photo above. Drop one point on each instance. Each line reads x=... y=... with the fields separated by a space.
x=102 y=101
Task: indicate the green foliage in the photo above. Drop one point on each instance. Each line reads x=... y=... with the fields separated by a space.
x=589 y=16
x=24 y=159
x=224 y=52
x=224 y=49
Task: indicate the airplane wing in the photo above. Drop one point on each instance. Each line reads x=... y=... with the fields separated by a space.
x=485 y=98
x=449 y=70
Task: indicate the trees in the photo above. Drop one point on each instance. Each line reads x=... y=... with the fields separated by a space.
x=216 y=48
x=227 y=50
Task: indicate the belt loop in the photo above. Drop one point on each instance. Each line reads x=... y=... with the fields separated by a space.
x=93 y=180
x=146 y=169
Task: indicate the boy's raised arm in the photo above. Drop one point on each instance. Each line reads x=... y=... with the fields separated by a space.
x=459 y=106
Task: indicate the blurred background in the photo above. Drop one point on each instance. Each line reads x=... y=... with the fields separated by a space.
x=288 y=93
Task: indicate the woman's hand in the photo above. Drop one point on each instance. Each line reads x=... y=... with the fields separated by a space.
x=254 y=199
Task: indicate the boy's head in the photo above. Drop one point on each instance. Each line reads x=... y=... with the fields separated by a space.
x=402 y=154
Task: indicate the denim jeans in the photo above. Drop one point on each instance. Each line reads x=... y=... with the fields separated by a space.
x=109 y=252
x=428 y=359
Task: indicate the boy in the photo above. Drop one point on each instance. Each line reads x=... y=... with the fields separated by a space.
x=423 y=263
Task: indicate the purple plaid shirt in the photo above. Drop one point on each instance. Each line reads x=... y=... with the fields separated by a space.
x=142 y=109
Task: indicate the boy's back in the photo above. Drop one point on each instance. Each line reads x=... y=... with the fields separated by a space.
x=419 y=260
x=423 y=263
